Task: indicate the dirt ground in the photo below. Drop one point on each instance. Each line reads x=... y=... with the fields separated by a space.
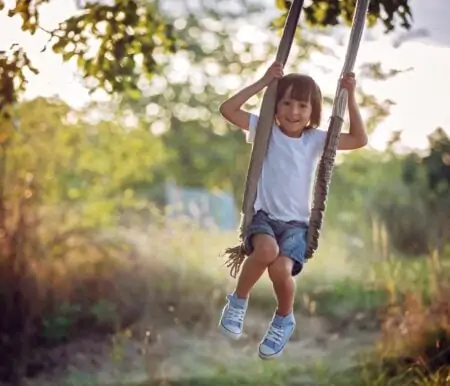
x=171 y=352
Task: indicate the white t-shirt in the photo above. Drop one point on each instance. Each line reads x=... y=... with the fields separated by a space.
x=288 y=174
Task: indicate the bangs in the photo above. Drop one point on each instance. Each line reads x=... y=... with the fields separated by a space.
x=303 y=87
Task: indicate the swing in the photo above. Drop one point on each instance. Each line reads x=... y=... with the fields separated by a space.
x=236 y=255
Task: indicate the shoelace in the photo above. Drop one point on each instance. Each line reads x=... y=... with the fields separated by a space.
x=236 y=314
x=275 y=334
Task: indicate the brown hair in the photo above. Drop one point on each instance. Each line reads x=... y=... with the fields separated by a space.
x=304 y=88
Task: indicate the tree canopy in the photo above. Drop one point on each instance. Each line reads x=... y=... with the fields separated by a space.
x=132 y=34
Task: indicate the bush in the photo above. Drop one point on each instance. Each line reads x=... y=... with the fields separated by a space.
x=56 y=284
x=416 y=338
x=59 y=284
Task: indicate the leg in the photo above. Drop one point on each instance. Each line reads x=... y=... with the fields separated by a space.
x=280 y=273
x=265 y=251
x=292 y=243
x=283 y=322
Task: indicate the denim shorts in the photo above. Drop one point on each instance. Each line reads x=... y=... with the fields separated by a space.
x=290 y=236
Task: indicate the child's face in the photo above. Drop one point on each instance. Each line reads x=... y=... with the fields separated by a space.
x=293 y=115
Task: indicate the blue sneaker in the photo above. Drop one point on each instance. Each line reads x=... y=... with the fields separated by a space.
x=232 y=318
x=278 y=334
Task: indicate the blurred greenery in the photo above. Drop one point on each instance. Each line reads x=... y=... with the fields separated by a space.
x=86 y=249
x=132 y=35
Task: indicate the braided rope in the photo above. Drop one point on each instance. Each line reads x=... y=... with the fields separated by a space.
x=326 y=164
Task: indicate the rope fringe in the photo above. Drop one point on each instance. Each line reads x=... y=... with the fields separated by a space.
x=236 y=256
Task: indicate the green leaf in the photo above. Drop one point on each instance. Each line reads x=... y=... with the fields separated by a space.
x=68 y=55
x=280 y=4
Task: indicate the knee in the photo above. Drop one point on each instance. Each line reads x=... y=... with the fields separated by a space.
x=266 y=249
x=280 y=270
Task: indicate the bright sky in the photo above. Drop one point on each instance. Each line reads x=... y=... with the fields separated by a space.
x=422 y=95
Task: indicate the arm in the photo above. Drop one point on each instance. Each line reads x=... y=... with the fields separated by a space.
x=231 y=109
x=357 y=136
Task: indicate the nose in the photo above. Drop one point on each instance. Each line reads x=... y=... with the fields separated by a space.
x=295 y=109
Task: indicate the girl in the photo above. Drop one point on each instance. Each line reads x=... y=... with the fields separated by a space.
x=276 y=237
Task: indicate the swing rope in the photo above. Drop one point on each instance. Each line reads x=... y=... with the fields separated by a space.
x=236 y=255
x=326 y=164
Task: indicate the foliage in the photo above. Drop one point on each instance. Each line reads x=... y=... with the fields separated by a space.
x=63 y=179
x=329 y=13
x=57 y=287
x=425 y=182
x=131 y=34
x=93 y=167
x=432 y=173
x=13 y=69
x=392 y=191
x=424 y=339
x=414 y=348
x=117 y=66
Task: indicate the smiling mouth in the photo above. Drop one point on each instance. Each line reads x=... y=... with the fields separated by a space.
x=293 y=121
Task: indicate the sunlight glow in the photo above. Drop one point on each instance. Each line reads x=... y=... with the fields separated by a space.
x=421 y=95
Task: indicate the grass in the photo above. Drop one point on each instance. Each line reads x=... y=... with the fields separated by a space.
x=295 y=376
x=351 y=288
x=173 y=276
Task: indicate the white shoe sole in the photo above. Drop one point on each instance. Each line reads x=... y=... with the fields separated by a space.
x=228 y=333
x=269 y=357
x=277 y=354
